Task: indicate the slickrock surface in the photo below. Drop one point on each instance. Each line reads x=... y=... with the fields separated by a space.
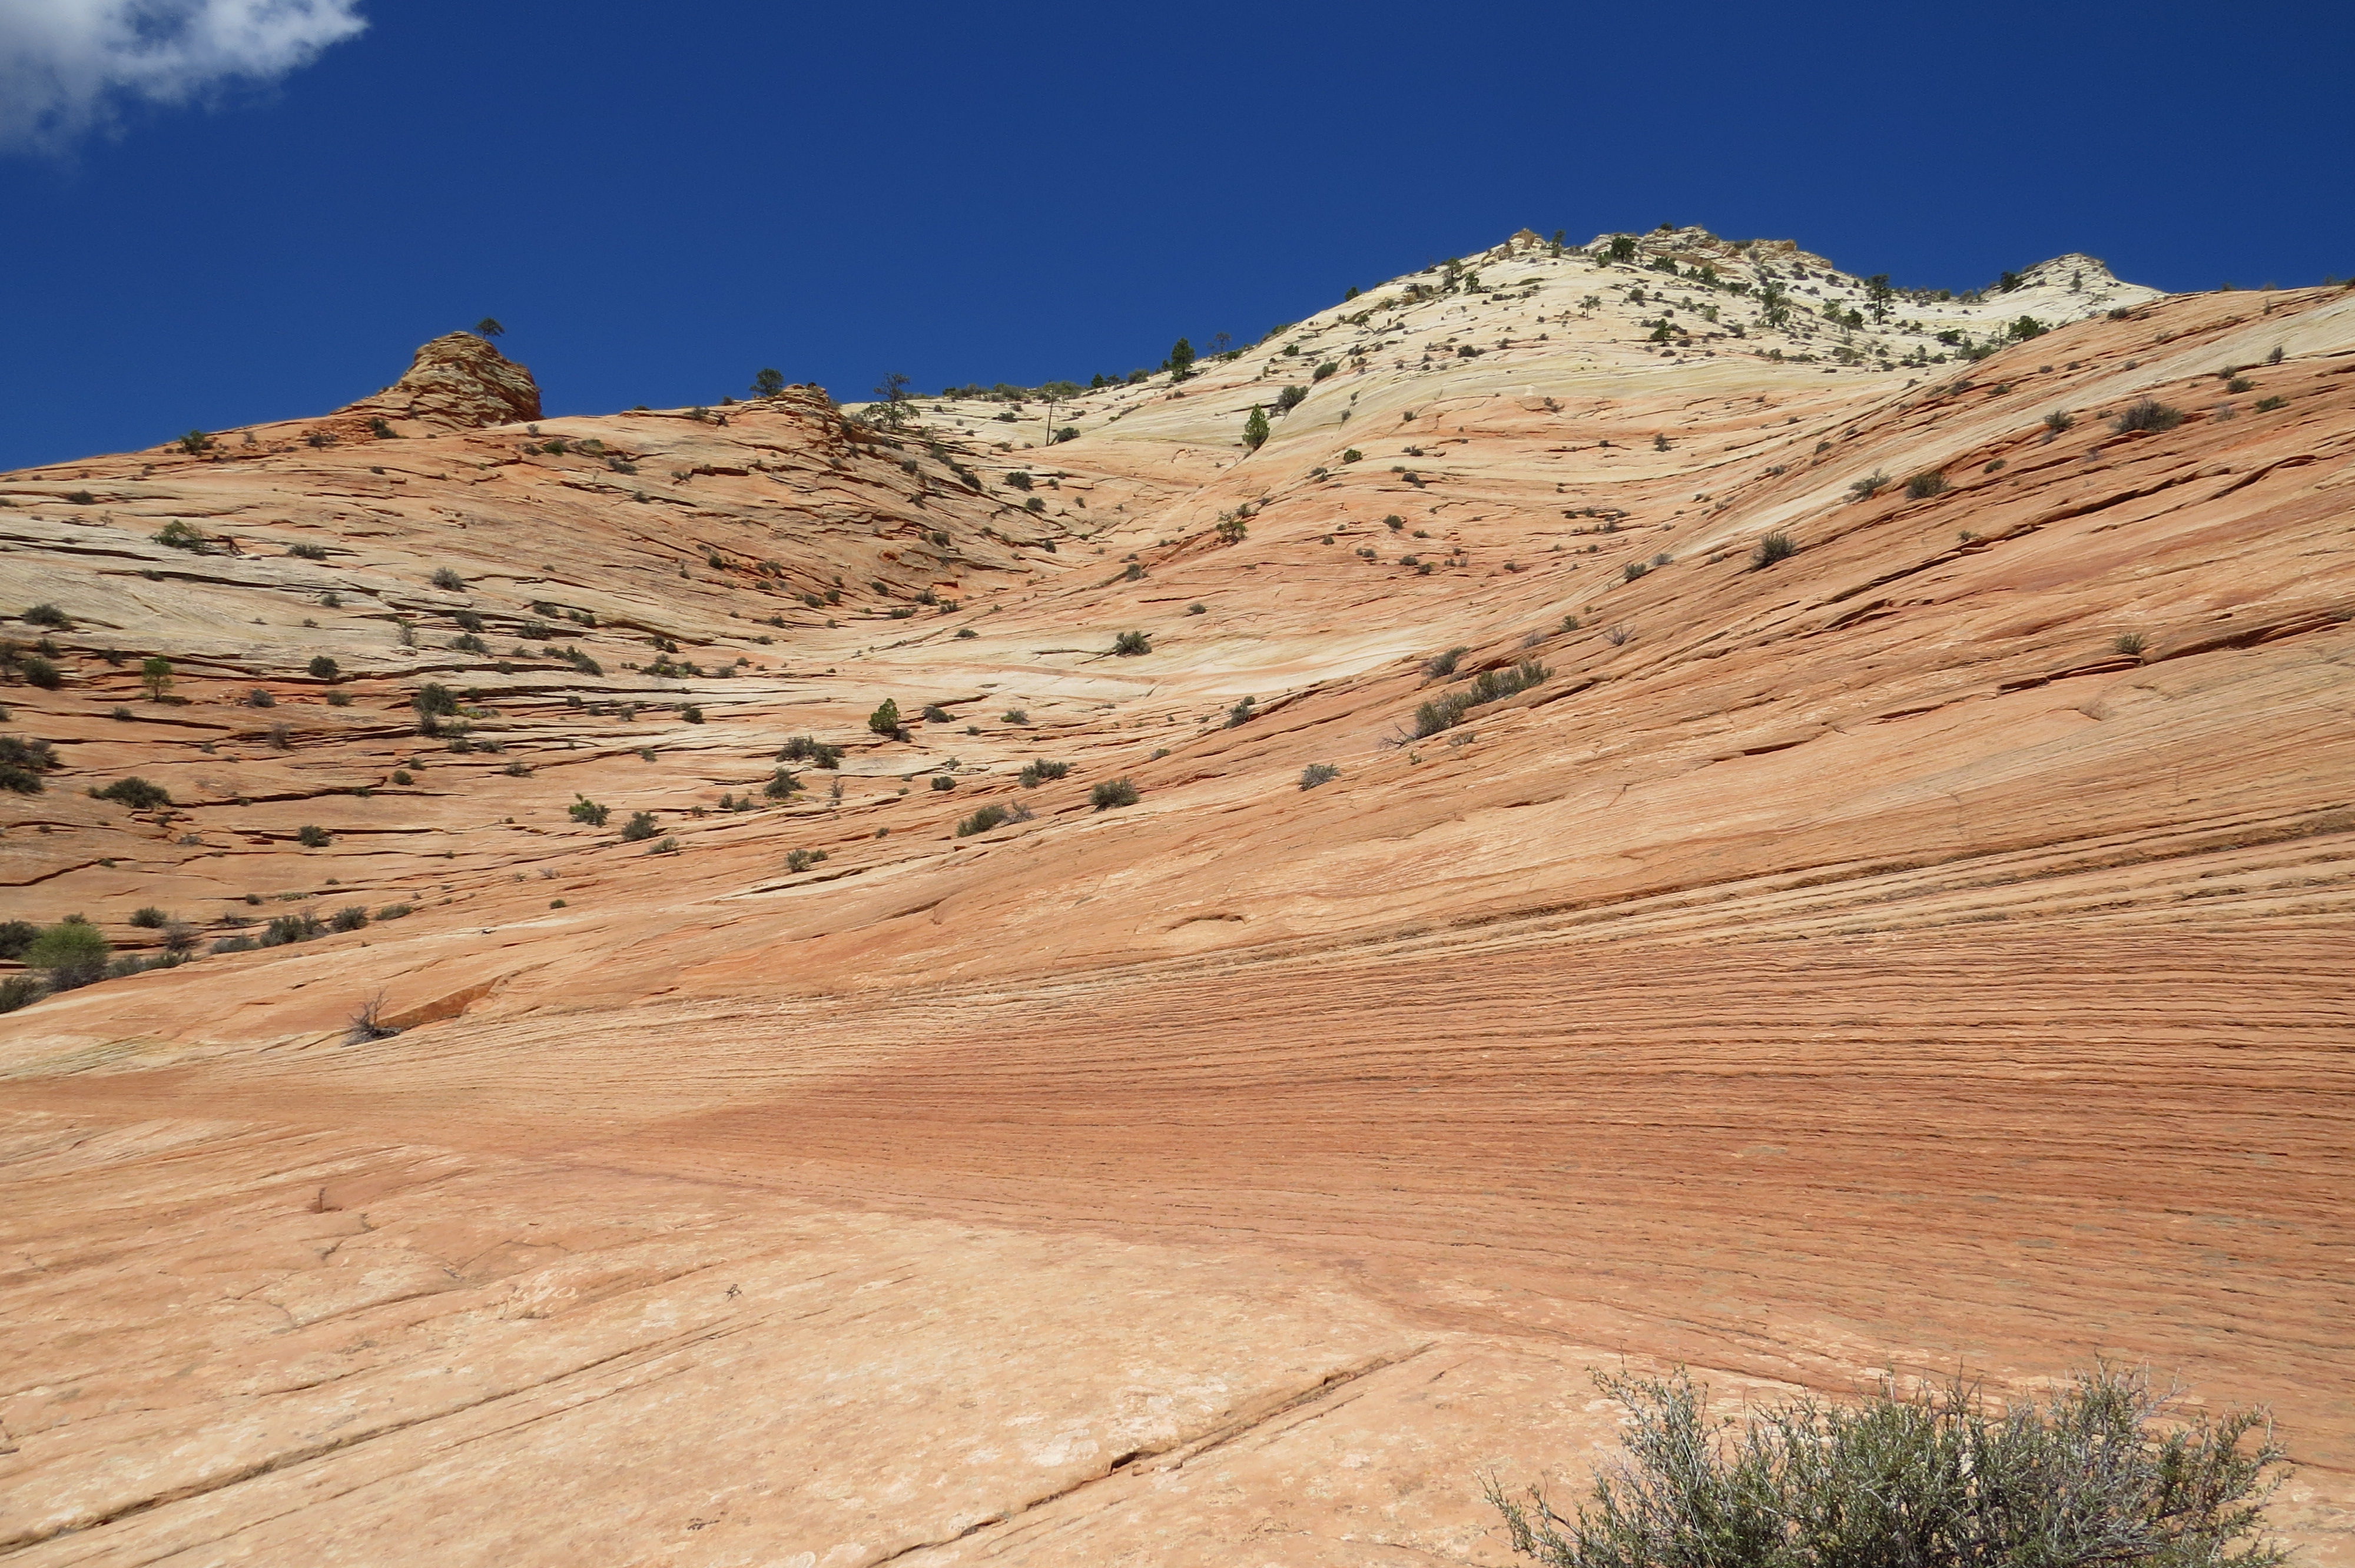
x=1927 y=950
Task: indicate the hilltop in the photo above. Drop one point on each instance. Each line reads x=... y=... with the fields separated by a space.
x=1685 y=807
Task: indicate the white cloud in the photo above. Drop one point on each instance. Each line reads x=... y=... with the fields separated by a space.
x=66 y=66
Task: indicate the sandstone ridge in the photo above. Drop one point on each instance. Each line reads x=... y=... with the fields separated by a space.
x=1684 y=811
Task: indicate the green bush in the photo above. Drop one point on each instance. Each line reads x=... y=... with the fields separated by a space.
x=1255 y=428
x=1772 y=547
x=1318 y=773
x=179 y=534
x=935 y=713
x=980 y=821
x=1291 y=398
x=287 y=928
x=639 y=828
x=1112 y=793
x=136 y=793
x=801 y=859
x=1633 y=570
x=781 y=786
x=885 y=721
x=1128 y=644
x=942 y=781
x=310 y=835
x=807 y=749
x=1868 y=487
x=50 y=615
x=1015 y=715
x=20 y=991
x=16 y=935
x=1038 y=771
x=40 y=671
x=2268 y=405
x=584 y=809
x=323 y=668
x=22 y=763
x=1490 y=685
x=71 y=953
x=1439 y=667
x=2149 y=414
x=434 y=700
x=2102 y=1474
x=448 y=582
x=1922 y=486
x=147 y=918
x=350 y=917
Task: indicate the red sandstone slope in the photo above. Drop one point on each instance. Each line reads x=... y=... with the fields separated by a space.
x=1926 y=948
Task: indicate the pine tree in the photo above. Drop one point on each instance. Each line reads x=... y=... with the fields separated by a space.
x=1255 y=428
x=769 y=383
x=1181 y=360
x=489 y=327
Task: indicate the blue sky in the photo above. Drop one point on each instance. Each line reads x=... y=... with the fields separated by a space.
x=658 y=200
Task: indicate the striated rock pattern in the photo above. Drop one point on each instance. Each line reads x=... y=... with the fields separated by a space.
x=458 y=382
x=1895 y=921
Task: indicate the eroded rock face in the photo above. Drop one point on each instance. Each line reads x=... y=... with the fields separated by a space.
x=458 y=382
x=1922 y=950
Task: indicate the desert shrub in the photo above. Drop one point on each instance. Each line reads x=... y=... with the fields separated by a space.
x=1868 y=487
x=260 y=697
x=16 y=935
x=177 y=534
x=1019 y=480
x=1197 y=609
x=307 y=552
x=2103 y=1473
x=50 y=615
x=1324 y=370
x=2057 y=421
x=2129 y=643
x=1922 y=486
x=434 y=700
x=1130 y=643
x=691 y=713
x=964 y=632
x=782 y=786
x=367 y=1022
x=1633 y=570
x=448 y=580
x=1772 y=547
x=310 y=835
x=809 y=750
x=70 y=953
x=1112 y=793
x=1291 y=398
x=40 y=670
x=402 y=776
x=1038 y=771
x=980 y=821
x=802 y=859
x=639 y=828
x=1490 y=685
x=942 y=781
x=1318 y=773
x=322 y=668
x=147 y=918
x=1440 y=666
x=22 y=763
x=2268 y=405
x=350 y=917
x=1242 y=714
x=935 y=713
x=395 y=911
x=20 y=991
x=1015 y=715
x=885 y=721
x=2148 y=414
x=135 y=792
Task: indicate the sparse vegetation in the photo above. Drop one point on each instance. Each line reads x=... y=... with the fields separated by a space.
x=2129 y=643
x=2103 y=1473
x=1112 y=793
x=311 y=836
x=1440 y=666
x=639 y=828
x=1868 y=487
x=2148 y=414
x=584 y=809
x=809 y=750
x=367 y=1020
x=135 y=792
x=1318 y=773
x=70 y=954
x=1772 y=547
x=782 y=786
x=1922 y=486
x=1447 y=711
x=23 y=760
x=802 y=859
x=885 y=721
x=1040 y=771
x=1128 y=644
x=982 y=821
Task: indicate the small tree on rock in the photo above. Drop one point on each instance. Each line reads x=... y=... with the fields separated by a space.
x=1255 y=428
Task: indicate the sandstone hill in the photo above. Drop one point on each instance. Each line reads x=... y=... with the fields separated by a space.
x=1685 y=807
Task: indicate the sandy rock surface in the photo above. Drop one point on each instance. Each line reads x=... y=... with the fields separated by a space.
x=1928 y=950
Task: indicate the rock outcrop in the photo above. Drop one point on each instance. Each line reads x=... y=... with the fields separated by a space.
x=458 y=382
